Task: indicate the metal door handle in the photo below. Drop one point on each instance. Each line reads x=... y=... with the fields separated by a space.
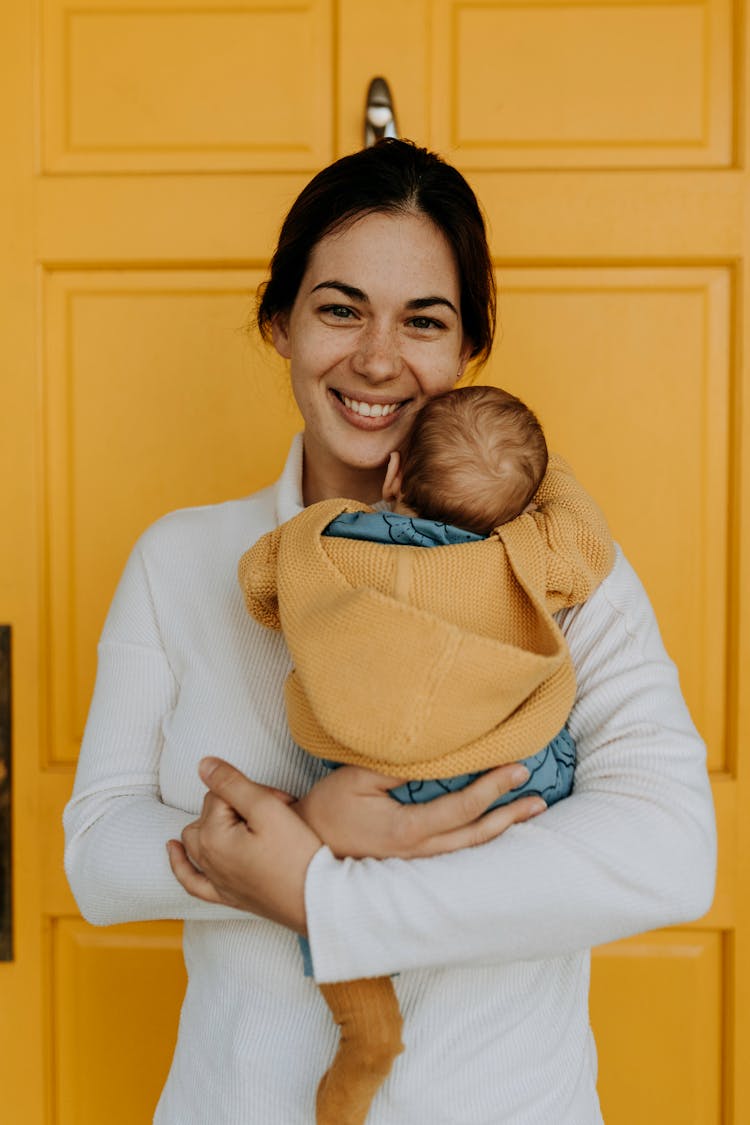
x=380 y=116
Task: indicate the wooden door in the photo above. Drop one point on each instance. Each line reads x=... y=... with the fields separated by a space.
x=149 y=152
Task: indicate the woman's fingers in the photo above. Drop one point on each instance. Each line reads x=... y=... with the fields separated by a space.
x=223 y=868
x=248 y=849
x=465 y=806
x=194 y=881
x=485 y=829
x=352 y=811
x=216 y=819
x=250 y=800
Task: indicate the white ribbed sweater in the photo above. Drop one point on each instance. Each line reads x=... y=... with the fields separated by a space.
x=490 y=943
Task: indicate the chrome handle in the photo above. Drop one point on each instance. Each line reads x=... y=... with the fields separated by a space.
x=380 y=116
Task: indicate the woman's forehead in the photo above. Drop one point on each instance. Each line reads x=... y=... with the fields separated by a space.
x=401 y=251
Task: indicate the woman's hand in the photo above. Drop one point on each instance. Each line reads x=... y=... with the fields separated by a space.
x=248 y=848
x=351 y=811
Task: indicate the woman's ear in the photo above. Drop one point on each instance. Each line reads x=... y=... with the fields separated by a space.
x=464 y=357
x=280 y=335
x=393 y=476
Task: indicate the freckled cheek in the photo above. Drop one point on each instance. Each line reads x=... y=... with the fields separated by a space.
x=310 y=368
x=322 y=355
x=441 y=376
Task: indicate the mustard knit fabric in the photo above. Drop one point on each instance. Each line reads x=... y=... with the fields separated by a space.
x=422 y=663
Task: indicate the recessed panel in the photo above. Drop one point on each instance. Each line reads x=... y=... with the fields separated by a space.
x=629 y=371
x=598 y=83
x=157 y=397
x=142 y=87
x=656 y=1004
x=116 y=995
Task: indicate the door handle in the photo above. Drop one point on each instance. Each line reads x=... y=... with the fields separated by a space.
x=380 y=115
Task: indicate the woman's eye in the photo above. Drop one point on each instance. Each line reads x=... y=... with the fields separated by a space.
x=340 y=312
x=424 y=322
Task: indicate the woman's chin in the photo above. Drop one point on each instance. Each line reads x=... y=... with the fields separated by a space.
x=366 y=449
x=371 y=460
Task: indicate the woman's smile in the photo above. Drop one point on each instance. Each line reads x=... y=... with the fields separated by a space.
x=366 y=412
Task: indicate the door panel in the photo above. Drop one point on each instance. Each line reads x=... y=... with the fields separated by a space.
x=682 y=1080
x=150 y=153
x=157 y=395
x=583 y=85
x=113 y=1044
x=186 y=88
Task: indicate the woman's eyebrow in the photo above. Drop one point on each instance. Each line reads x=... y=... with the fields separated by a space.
x=354 y=294
x=350 y=291
x=429 y=302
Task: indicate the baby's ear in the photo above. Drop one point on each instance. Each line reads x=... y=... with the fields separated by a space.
x=393 y=476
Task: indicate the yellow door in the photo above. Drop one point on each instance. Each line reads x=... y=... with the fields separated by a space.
x=148 y=153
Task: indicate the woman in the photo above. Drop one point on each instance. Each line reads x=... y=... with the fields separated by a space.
x=380 y=294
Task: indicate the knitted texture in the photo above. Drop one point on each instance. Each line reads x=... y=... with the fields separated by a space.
x=369 y=1020
x=456 y=643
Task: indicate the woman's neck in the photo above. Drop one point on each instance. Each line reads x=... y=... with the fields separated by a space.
x=328 y=482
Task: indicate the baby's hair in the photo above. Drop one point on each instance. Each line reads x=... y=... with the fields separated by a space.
x=474 y=458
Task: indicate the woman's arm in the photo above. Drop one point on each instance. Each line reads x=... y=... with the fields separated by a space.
x=633 y=848
x=116 y=825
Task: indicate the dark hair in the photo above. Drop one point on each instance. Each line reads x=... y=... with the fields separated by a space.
x=392 y=176
x=474 y=458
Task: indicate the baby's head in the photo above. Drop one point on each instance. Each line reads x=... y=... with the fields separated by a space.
x=474 y=458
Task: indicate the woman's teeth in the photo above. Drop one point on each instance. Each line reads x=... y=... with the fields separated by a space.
x=371 y=410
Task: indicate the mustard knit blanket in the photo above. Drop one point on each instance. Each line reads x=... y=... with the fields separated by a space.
x=430 y=663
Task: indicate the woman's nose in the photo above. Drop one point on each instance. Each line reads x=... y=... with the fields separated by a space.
x=377 y=356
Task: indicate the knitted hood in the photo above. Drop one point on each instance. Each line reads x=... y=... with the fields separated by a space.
x=391 y=679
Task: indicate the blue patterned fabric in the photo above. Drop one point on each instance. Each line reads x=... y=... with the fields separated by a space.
x=389 y=527
x=551 y=777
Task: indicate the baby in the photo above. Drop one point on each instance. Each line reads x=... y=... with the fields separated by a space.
x=489 y=677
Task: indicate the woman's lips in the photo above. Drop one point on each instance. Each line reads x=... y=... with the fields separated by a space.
x=367 y=415
x=370 y=409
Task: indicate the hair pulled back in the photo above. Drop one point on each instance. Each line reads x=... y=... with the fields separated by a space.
x=393 y=176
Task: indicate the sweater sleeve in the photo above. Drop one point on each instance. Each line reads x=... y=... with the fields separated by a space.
x=631 y=849
x=116 y=825
x=575 y=535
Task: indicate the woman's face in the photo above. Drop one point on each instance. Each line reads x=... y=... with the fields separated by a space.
x=374 y=332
